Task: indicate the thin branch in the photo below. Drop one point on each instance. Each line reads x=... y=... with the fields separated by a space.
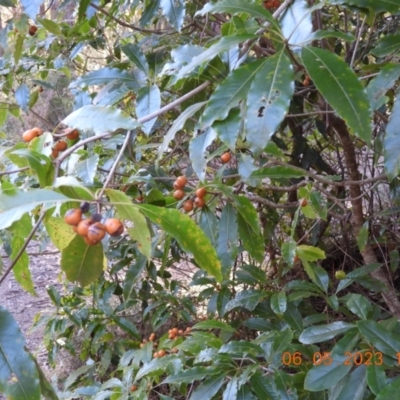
x=14 y=171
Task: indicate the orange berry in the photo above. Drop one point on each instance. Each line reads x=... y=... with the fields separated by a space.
x=72 y=134
x=179 y=194
x=61 y=145
x=32 y=30
x=171 y=336
x=155 y=355
x=38 y=131
x=188 y=205
x=96 y=232
x=296 y=258
x=181 y=180
x=113 y=227
x=54 y=153
x=180 y=332
x=303 y=202
x=83 y=226
x=152 y=337
x=29 y=135
x=306 y=81
x=40 y=89
x=73 y=216
x=201 y=192
x=162 y=353
x=199 y=202
x=175 y=330
x=226 y=157
x=89 y=241
x=133 y=388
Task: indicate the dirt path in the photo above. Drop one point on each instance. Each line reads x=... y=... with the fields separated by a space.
x=23 y=306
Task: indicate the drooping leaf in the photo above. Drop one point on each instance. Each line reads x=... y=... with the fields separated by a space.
x=19 y=378
x=352 y=386
x=268 y=100
x=59 y=231
x=209 y=388
x=135 y=54
x=174 y=11
x=126 y=210
x=359 y=305
x=82 y=263
x=22 y=97
x=224 y=44
x=151 y=8
x=264 y=386
x=247 y=299
x=322 y=333
x=279 y=303
x=376 y=378
x=391 y=144
x=147 y=102
x=188 y=234
x=230 y=92
x=208 y=223
x=341 y=89
x=100 y=119
x=198 y=151
x=50 y=26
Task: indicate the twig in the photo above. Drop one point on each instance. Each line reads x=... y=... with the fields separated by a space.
x=14 y=171
x=24 y=246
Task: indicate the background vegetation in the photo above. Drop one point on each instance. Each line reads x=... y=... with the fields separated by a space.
x=285 y=283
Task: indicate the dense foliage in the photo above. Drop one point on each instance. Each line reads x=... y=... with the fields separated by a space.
x=281 y=280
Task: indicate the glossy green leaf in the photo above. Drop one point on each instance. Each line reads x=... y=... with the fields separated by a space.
x=377 y=6
x=264 y=386
x=126 y=326
x=87 y=169
x=387 y=45
x=21 y=270
x=310 y=253
x=323 y=376
x=178 y=125
x=59 y=231
x=199 y=153
x=391 y=142
x=268 y=100
x=209 y=388
x=209 y=224
x=147 y=102
x=359 y=305
x=289 y=250
x=22 y=96
x=247 y=299
x=249 y=228
x=230 y=92
x=380 y=338
x=82 y=263
x=14 y=206
x=51 y=26
x=18 y=48
x=213 y=324
x=277 y=173
x=352 y=386
x=278 y=303
x=150 y=9
x=322 y=333
x=362 y=237
x=340 y=87
x=223 y=44
x=174 y=11
x=322 y=34
x=376 y=378
x=100 y=119
x=188 y=376
x=19 y=378
x=239 y=7
x=391 y=391
x=379 y=85
x=135 y=54
x=293 y=317
x=231 y=390
x=126 y=210
x=228 y=130
x=189 y=235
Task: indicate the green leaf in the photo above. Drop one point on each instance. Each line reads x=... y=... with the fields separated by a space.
x=391 y=391
x=376 y=378
x=14 y=205
x=321 y=377
x=391 y=144
x=241 y=347
x=82 y=263
x=100 y=119
x=51 y=26
x=377 y=6
x=174 y=11
x=323 y=333
x=247 y=299
x=22 y=97
x=189 y=375
x=362 y=237
x=207 y=389
x=198 y=151
x=249 y=228
x=126 y=326
x=359 y=305
x=229 y=93
x=178 y=125
x=227 y=237
x=135 y=54
x=21 y=270
x=340 y=87
x=264 y=386
x=18 y=48
x=379 y=85
x=386 y=342
x=39 y=164
x=147 y=102
x=352 y=386
x=228 y=130
x=126 y=210
x=268 y=100
x=293 y=317
x=224 y=44
x=239 y=7
x=310 y=253
x=151 y=8
x=277 y=173
x=87 y=168
x=59 y=231
x=213 y=324
x=386 y=45
x=322 y=34
x=208 y=223
x=188 y=234
x=279 y=303
x=19 y=378
x=231 y=390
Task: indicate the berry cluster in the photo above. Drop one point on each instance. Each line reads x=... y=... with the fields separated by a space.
x=91 y=229
x=31 y=134
x=175 y=332
x=179 y=194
